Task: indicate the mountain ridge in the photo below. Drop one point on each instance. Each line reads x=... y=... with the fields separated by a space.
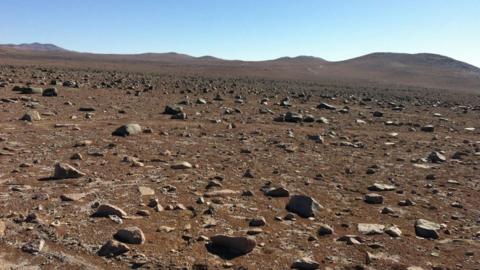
x=420 y=69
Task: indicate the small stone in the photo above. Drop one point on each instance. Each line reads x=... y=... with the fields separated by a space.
x=304 y=206
x=65 y=171
x=436 y=157
x=34 y=246
x=183 y=165
x=113 y=248
x=305 y=264
x=235 y=245
x=426 y=229
x=325 y=230
x=50 y=92
x=105 y=210
x=428 y=128
x=277 y=192
x=130 y=235
x=393 y=231
x=370 y=229
x=381 y=187
x=70 y=197
x=373 y=198
x=31 y=116
x=146 y=191
x=257 y=222
x=127 y=130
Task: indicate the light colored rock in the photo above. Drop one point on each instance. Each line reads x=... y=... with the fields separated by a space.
x=181 y=165
x=427 y=229
x=146 y=191
x=69 y=197
x=370 y=229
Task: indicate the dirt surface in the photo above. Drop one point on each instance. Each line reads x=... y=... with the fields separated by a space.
x=237 y=141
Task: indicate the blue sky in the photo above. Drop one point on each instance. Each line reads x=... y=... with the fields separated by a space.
x=249 y=29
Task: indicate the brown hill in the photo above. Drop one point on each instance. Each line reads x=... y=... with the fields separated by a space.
x=424 y=70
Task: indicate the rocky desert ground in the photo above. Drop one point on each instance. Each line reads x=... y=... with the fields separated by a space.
x=112 y=169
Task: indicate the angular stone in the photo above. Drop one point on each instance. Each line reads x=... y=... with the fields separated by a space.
x=436 y=157
x=304 y=206
x=65 y=171
x=426 y=229
x=325 y=230
x=393 y=231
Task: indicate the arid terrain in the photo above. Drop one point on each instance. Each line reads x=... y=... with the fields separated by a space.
x=124 y=162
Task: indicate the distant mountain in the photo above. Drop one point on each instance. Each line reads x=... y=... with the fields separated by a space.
x=423 y=69
x=34 y=47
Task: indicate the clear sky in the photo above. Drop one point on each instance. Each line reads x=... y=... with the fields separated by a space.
x=249 y=29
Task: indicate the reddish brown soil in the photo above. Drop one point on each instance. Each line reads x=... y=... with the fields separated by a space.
x=279 y=153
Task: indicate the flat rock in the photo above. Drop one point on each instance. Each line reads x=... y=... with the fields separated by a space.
x=70 y=197
x=182 y=165
x=381 y=187
x=236 y=245
x=146 y=191
x=105 y=210
x=370 y=229
x=305 y=264
x=277 y=192
x=221 y=193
